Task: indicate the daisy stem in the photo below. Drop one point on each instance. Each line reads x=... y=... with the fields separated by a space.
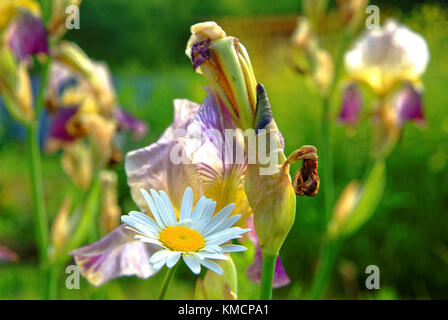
x=168 y=277
x=267 y=275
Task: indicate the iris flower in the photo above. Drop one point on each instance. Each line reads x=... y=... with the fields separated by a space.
x=384 y=58
x=197 y=132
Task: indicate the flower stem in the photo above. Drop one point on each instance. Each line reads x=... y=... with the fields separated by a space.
x=35 y=167
x=168 y=277
x=41 y=221
x=326 y=159
x=324 y=269
x=267 y=275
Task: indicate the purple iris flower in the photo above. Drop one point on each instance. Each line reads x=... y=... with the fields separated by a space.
x=27 y=35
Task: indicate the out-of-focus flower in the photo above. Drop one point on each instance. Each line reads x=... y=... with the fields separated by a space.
x=27 y=35
x=127 y=121
x=96 y=74
x=384 y=58
x=226 y=65
x=216 y=287
x=15 y=87
x=323 y=71
x=409 y=105
x=351 y=105
x=60 y=228
x=110 y=210
x=56 y=24
x=303 y=36
x=7 y=255
x=351 y=12
x=197 y=236
x=77 y=163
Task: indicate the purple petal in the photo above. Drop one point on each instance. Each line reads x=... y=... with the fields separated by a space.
x=351 y=105
x=409 y=105
x=58 y=129
x=7 y=255
x=117 y=254
x=127 y=121
x=200 y=53
x=27 y=35
x=152 y=168
x=253 y=272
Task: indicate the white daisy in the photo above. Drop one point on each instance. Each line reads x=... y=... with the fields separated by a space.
x=197 y=236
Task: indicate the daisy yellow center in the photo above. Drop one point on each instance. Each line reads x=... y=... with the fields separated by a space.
x=180 y=238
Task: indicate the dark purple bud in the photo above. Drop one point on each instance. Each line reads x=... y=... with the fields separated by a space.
x=126 y=121
x=351 y=105
x=27 y=35
x=200 y=53
x=409 y=105
x=58 y=129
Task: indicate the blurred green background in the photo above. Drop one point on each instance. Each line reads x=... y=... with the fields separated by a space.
x=143 y=42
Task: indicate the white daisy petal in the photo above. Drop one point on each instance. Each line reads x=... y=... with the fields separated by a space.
x=145 y=218
x=152 y=206
x=160 y=205
x=159 y=255
x=219 y=218
x=197 y=211
x=212 y=266
x=233 y=248
x=149 y=240
x=215 y=256
x=193 y=263
x=227 y=223
x=159 y=265
x=206 y=216
x=187 y=203
x=212 y=248
x=172 y=260
x=170 y=215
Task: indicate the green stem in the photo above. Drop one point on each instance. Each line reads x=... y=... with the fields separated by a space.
x=267 y=275
x=32 y=133
x=90 y=210
x=168 y=277
x=40 y=212
x=326 y=158
x=324 y=269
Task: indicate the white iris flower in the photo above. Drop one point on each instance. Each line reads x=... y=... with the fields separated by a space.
x=196 y=235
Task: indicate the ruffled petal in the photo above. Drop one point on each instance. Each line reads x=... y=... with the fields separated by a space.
x=117 y=254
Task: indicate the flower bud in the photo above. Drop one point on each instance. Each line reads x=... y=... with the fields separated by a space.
x=60 y=227
x=303 y=36
x=219 y=287
x=110 y=210
x=357 y=204
x=77 y=163
x=226 y=65
x=15 y=87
